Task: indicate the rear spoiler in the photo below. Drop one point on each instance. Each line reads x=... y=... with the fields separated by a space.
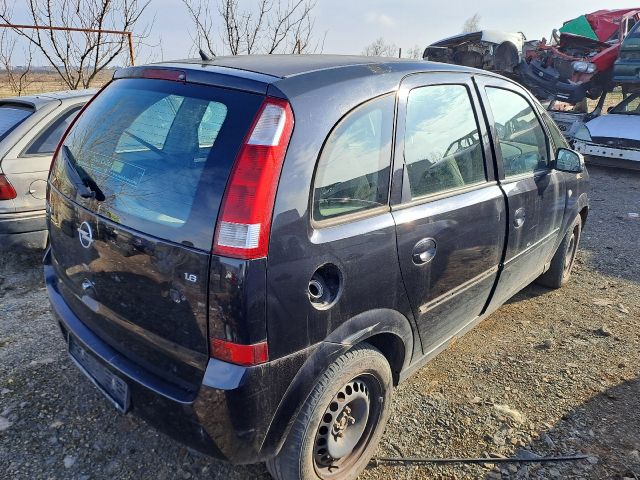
x=201 y=73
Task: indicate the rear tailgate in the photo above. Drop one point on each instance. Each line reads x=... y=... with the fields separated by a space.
x=133 y=262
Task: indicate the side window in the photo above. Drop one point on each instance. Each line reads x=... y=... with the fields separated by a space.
x=442 y=147
x=521 y=138
x=354 y=166
x=47 y=141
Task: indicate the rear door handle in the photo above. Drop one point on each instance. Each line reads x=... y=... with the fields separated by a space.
x=519 y=217
x=424 y=251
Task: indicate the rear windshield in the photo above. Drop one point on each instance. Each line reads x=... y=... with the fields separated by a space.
x=159 y=153
x=12 y=115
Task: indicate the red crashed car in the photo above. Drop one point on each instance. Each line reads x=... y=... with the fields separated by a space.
x=578 y=61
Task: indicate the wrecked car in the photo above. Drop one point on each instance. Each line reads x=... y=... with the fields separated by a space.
x=487 y=50
x=613 y=139
x=626 y=69
x=578 y=61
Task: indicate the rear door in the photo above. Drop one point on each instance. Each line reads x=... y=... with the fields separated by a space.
x=534 y=190
x=450 y=218
x=133 y=261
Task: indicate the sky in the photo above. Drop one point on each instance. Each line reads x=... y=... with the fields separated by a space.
x=349 y=25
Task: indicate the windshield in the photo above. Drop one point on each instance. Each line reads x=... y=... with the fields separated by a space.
x=156 y=155
x=12 y=115
x=629 y=106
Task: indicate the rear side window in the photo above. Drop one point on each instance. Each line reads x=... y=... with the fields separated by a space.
x=12 y=115
x=160 y=153
x=442 y=148
x=354 y=167
x=47 y=141
x=521 y=138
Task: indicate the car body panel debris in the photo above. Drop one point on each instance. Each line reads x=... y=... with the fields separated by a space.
x=492 y=50
x=613 y=139
x=578 y=61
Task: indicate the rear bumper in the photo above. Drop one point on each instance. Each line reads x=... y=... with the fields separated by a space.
x=230 y=416
x=23 y=230
x=548 y=80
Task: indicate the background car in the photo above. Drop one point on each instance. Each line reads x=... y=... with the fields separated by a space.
x=627 y=67
x=487 y=49
x=30 y=129
x=613 y=139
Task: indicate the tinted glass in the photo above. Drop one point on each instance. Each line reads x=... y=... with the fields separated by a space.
x=353 y=171
x=521 y=138
x=47 y=141
x=11 y=116
x=160 y=153
x=442 y=144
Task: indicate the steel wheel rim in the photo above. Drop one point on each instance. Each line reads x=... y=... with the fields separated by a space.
x=353 y=412
x=571 y=250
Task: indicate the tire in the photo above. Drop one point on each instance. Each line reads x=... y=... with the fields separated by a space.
x=305 y=453
x=562 y=262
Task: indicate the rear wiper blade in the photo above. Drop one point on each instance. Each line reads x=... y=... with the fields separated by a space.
x=84 y=184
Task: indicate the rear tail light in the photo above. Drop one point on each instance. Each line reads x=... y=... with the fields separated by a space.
x=7 y=192
x=244 y=222
x=245 y=355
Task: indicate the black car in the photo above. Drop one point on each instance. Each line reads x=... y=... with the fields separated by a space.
x=252 y=252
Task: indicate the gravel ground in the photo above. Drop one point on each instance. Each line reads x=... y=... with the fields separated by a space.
x=550 y=373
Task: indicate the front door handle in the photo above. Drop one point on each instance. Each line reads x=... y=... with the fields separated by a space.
x=424 y=251
x=519 y=217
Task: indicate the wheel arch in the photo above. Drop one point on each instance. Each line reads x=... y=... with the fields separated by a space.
x=387 y=330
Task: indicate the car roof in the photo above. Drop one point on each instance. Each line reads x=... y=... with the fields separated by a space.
x=287 y=66
x=39 y=100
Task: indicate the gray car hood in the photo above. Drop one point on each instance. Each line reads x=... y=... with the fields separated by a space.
x=615 y=126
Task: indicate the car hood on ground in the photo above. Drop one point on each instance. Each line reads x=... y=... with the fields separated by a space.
x=615 y=126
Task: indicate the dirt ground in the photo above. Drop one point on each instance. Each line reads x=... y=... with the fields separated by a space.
x=550 y=373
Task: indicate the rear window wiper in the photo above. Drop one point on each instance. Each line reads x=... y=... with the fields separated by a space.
x=85 y=185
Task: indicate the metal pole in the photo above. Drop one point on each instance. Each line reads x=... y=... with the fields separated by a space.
x=130 y=36
x=72 y=29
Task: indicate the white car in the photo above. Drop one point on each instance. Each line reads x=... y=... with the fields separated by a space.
x=613 y=139
x=30 y=129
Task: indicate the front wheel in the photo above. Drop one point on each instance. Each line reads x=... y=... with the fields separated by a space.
x=339 y=426
x=564 y=258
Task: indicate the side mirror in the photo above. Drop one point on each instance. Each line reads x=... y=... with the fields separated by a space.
x=610 y=108
x=569 y=161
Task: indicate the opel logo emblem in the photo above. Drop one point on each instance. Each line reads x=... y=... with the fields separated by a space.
x=85 y=234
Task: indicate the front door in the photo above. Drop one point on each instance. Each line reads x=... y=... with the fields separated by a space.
x=450 y=219
x=534 y=190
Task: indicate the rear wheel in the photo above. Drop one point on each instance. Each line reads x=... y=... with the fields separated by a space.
x=338 y=428
x=564 y=258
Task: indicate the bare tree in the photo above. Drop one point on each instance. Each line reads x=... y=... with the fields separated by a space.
x=415 y=52
x=78 y=57
x=269 y=26
x=472 y=24
x=18 y=77
x=379 y=48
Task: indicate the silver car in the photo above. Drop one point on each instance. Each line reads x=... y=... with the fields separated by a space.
x=30 y=129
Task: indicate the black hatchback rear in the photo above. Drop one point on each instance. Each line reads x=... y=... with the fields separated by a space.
x=232 y=244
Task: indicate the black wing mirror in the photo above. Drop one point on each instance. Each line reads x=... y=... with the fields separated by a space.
x=569 y=161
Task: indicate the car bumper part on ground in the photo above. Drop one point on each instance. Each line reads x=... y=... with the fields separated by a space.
x=228 y=418
x=23 y=230
x=547 y=80
x=608 y=156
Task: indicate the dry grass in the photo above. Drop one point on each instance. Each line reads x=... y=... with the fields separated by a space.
x=45 y=82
